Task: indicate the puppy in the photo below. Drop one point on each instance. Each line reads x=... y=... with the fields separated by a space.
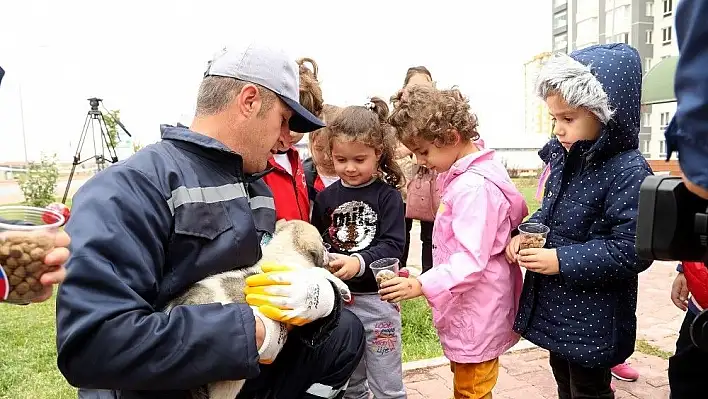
x=294 y=243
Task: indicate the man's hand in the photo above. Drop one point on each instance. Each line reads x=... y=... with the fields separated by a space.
x=512 y=250
x=398 y=289
x=679 y=292
x=540 y=260
x=346 y=267
x=290 y=295
x=270 y=337
x=56 y=257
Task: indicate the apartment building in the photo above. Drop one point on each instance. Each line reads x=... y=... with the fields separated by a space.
x=658 y=99
x=537 y=121
x=646 y=25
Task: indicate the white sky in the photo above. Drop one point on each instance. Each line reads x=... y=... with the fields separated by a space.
x=147 y=57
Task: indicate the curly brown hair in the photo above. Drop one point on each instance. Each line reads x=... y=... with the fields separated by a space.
x=310 y=91
x=433 y=115
x=368 y=125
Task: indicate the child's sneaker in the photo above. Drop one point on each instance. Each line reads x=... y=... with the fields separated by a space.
x=624 y=372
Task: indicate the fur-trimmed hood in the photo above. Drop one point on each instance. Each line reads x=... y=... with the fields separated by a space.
x=607 y=80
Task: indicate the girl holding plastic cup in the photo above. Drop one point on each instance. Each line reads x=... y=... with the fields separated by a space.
x=471 y=288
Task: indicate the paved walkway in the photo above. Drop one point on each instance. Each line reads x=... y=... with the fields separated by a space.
x=525 y=373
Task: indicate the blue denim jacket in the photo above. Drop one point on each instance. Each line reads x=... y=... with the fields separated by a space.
x=688 y=131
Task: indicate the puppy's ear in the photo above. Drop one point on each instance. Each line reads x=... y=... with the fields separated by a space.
x=318 y=253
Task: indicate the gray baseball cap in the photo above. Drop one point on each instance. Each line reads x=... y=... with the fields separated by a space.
x=272 y=68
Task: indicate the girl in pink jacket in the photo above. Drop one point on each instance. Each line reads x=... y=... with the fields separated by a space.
x=472 y=290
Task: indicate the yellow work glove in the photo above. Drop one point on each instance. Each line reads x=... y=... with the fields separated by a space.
x=290 y=295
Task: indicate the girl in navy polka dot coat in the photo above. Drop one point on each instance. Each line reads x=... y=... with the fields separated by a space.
x=580 y=291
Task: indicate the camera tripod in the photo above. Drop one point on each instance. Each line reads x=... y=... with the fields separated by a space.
x=94 y=117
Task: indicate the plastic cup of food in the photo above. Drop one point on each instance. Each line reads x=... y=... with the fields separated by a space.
x=26 y=235
x=533 y=235
x=330 y=257
x=384 y=269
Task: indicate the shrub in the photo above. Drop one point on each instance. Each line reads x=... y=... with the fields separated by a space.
x=40 y=181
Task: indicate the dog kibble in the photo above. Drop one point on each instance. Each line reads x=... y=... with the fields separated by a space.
x=531 y=241
x=384 y=275
x=22 y=259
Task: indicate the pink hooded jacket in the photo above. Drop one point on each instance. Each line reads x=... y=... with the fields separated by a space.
x=472 y=289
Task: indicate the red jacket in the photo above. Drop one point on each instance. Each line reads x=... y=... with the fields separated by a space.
x=289 y=191
x=697 y=281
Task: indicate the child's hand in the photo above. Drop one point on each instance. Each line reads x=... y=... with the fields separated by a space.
x=540 y=260
x=512 y=249
x=346 y=267
x=400 y=288
x=679 y=292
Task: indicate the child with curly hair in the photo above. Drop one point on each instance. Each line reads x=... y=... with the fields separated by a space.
x=361 y=217
x=472 y=289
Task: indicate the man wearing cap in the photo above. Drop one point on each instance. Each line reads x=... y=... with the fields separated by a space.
x=190 y=206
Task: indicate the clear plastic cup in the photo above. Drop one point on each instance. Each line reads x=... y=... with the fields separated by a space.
x=328 y=257
x=384 y=269
x=533 y=235
x=27 y=234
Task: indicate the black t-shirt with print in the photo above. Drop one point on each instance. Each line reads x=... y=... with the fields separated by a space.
x=368 y=220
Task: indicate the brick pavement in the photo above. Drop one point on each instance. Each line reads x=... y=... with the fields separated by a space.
x=525 y=374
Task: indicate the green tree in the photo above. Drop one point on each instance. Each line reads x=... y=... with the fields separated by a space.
x=40 y=181
x=112 y=126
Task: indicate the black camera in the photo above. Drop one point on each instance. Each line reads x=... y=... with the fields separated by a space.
x=673 y=225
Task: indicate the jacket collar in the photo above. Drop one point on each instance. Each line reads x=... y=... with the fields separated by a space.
x=463 y=164
x=206 y=147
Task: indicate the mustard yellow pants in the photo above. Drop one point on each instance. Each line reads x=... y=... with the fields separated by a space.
x=475 y=380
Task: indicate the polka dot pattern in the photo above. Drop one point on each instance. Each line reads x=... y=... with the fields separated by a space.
x=587 y=312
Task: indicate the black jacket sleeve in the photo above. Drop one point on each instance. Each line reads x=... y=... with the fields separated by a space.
x=109 y=336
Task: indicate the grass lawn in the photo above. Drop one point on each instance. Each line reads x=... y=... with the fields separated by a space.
x=28 y=347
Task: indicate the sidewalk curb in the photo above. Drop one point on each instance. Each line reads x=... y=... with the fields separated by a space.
x=441 y=361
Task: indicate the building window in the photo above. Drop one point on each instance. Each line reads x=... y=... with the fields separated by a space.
x=558 y=3
x=649 y=34
x=560 y=42
x=666 y=35
x=586 y=9
x=668 y=7
x=662 y=149
x=665 y=119
x=647 y=64
x=644 y=147
x=650 y=9
x=622 y=38
x=560 y=20
x=587 y=32
x=646 y=119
